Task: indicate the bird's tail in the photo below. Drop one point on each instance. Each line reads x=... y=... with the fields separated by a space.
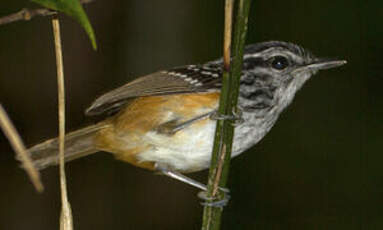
x=78 y=144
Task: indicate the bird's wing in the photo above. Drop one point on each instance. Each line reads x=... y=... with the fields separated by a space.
x=185 y=79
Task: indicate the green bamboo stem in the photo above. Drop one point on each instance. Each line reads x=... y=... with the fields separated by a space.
x=219 y=169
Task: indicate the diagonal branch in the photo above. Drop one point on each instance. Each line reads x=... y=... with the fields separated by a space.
x=19 y=147
x=27 y=14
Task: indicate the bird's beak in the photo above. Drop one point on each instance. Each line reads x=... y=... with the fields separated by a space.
x=320 y=64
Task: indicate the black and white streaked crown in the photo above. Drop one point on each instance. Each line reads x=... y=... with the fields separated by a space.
x=262 y=46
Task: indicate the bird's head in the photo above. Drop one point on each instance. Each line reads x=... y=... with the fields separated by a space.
x=274 y=71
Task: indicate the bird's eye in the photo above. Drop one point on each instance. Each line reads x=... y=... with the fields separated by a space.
x=279 y=62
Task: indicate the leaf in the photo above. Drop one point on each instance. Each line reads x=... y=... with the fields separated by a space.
x=72 y=8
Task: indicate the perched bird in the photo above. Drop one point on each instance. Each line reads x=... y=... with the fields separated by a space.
x=163 y=121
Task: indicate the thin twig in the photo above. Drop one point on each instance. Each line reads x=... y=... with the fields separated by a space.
x=219 y=168
x=227 y=34
x=19 y=147
x=229 y=5
x=66 y=219
x=212 y=215
x=28 y=14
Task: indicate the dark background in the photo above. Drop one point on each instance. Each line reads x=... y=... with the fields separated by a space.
x=319 y=167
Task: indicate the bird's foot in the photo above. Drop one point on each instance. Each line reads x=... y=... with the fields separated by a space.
x=219 y=202
x=236 y=116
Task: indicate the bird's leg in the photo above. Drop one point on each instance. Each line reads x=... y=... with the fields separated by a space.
x=207 y=200
x=173 y=126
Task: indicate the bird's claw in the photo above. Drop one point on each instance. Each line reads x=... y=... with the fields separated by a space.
x=214 y=202
x=236 y=116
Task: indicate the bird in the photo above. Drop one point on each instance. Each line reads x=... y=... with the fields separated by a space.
x=164 y=121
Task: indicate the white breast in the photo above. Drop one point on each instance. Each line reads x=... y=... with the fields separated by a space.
x=186 y=151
